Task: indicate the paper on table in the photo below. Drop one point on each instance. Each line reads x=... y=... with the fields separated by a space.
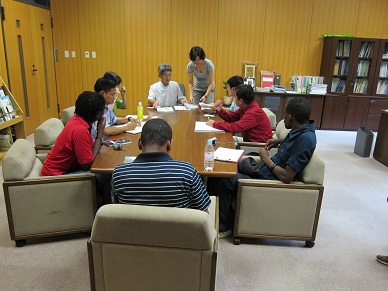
x=135 y=116
x=138 y=129
x=228 y=155
x=201 y=126
x=164 y=109
x=181 y=107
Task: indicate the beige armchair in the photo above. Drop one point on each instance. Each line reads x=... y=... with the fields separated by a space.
x=134 y=247
x=275 y=210
x=46 y=134
x=44 y=206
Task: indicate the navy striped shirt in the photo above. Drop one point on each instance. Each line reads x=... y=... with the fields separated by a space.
x=154 y=178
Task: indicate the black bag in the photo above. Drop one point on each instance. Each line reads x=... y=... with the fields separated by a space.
x=249 y=167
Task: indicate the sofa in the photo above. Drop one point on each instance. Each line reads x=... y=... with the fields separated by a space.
x=44 y=206
x=136 y=247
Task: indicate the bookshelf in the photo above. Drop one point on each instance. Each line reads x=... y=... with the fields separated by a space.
x=11 y=116
x=356 y=72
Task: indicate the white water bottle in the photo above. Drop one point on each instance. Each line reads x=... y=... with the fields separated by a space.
x=209 y=156
x=140 y=112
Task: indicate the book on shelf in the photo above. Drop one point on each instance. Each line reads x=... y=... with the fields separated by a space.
x=6 y=108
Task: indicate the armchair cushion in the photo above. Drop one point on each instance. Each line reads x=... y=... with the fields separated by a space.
x=314 y=172
x=20 y=160
x=47 y=133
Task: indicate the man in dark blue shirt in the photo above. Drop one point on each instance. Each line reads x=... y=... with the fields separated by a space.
x=293 y=154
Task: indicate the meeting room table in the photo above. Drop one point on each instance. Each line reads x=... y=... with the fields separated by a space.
x=187 y=145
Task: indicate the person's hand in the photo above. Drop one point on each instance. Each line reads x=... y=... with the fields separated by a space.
x=218 y=105
x=101 y=126
x=203 y=98
x=271 y=143
x=131 y=125
x=123 y=91
x=210 y=122
x=156 y=103
x=191 y=99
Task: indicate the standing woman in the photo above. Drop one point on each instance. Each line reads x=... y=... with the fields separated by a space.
x=202 y=88
x=118 y=104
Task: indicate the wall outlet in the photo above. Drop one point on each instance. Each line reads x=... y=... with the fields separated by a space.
x=94 y=55
x=66 y=54
x=87 y=54
x=73 y=54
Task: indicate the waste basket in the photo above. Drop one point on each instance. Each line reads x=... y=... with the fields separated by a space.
x=364 y=141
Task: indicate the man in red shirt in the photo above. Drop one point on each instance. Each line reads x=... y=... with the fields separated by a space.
x=249 y=119
x=75 y=150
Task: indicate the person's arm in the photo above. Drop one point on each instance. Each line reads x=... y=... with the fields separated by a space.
x=191 y=86
x=152 y=100
x=209 y=87
x=97 y=143
x=123 y=92
x=285 y=175
x=181 y=98
x=114 y=130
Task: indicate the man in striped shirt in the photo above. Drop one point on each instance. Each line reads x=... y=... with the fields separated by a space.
x=154 y=178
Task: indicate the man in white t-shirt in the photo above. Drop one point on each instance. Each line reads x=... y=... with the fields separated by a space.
x=165 y=93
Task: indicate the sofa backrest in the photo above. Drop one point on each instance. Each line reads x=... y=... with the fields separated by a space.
x=271 y=116
x=67 y=113
x=154 y=226
x=20 y=161
x=47 y=133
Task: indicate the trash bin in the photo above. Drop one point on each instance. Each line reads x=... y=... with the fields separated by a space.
x=364 y=141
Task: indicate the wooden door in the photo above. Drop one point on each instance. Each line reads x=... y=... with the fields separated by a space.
x=334 y=109
x=29 y=79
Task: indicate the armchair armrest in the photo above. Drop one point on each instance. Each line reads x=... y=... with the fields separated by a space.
x=250 y=144
x=43 y=149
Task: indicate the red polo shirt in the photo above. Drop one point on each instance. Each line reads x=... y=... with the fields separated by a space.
x=72 y=148
x=251 y=121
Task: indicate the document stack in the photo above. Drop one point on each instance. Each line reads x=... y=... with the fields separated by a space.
x=318 y=89
x=278 y=89
x=301 y=82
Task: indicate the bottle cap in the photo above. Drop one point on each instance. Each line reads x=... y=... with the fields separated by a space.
x=139 y=103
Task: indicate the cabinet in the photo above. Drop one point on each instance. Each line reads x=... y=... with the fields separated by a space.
x=356 y=72
x=276 y=102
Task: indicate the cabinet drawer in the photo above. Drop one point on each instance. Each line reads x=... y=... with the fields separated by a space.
x=376 y=105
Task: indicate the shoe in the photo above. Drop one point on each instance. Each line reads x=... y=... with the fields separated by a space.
x=382 y=259
x=224 y=234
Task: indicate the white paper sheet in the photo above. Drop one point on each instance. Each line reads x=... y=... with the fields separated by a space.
x=201 y=126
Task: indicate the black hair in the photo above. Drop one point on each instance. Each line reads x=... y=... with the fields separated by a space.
x=246 y=93
x=113 y=77
x=195 y=52
x=89 y=105
x=300 y=108
x=235 y=81
x=104 y=84
x=156 y=132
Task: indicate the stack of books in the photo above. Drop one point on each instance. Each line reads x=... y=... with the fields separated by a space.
x=318 y=89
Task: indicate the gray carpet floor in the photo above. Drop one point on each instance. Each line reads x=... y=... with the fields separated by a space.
x=352 y=231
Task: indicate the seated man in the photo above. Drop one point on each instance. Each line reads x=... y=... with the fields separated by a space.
x=293 y=154
x=165 y=93
x=118 y=104
x=249 y=119
x=232 y=83
x=74 y=148
x=108 y=90
x=154 y=178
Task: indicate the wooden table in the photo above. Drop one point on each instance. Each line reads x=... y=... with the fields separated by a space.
x=380 y=152
x=187 y=145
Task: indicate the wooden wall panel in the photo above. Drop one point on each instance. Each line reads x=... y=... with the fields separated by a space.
x=66 y=38
x=147 y=28
x=101 y=30
x=133 y=37
x=326 y=20
x=3 y=65
x=286 y=36
x=372 y=19
x=194 y=23
x=240 y=38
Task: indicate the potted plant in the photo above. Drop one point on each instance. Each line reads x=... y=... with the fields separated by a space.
x=227 y=99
